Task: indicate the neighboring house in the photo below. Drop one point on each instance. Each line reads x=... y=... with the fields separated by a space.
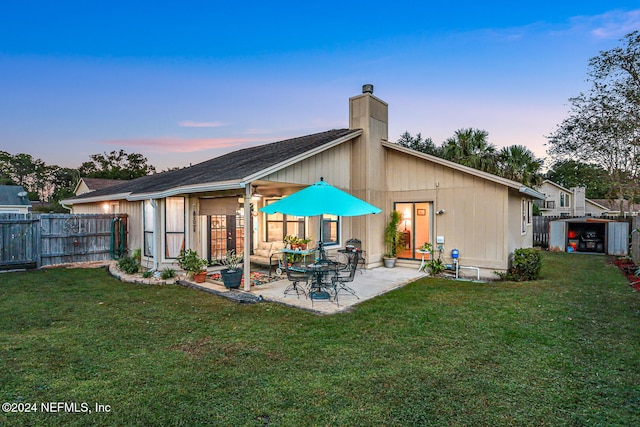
x=214 y=206
x=86 y=185
x=613 y=207
x=13 y=199
x=560 y=201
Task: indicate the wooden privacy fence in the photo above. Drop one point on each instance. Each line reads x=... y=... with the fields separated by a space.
x=30 y=241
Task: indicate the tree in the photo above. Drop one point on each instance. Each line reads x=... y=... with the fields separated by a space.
x=603 y=127
x=469 y=147
x=425 y=146
x=571 y=173
x=518 y=163
x=116 y=165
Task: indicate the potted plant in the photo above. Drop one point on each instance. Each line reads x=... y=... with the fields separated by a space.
x=393 y=239
x=193 y=265
x=427 y=247
x=303 y=243
x=232 y=274
x=289 y=241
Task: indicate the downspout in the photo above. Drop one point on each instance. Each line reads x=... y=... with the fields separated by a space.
x=247 y=238
x=156 y=251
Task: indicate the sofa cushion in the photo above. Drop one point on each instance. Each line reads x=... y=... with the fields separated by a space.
x=276 y=246
x=262 y=252
x=263 y=246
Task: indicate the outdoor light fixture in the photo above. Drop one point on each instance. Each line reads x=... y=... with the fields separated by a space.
x=440 y=212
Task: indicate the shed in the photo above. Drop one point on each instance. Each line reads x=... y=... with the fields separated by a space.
x=590 y=235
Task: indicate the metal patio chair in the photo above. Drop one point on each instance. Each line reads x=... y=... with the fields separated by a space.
x=299 y=280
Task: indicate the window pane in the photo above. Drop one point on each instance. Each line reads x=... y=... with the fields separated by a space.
x=148 y=216
x=175 y=214
x=174 y=244
x=330 y=229
x=148 y=244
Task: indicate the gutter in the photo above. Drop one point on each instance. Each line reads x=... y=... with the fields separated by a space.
x=199 y=188
x=156 y=250
x=533 y=193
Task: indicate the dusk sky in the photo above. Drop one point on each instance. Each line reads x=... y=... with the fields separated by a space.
x=182 y=82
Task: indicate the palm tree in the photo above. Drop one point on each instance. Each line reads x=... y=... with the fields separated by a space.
x=518 y=163
x=469 y=147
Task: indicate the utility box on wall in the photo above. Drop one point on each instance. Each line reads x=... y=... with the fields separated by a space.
x=583 y=235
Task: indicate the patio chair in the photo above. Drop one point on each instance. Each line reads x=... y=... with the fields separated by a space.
x=357 y=244
x=344 y=276
x=299 y=280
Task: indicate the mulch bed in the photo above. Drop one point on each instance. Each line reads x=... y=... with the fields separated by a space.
x=628 y=268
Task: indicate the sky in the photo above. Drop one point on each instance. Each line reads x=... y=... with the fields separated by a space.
x=183 y=82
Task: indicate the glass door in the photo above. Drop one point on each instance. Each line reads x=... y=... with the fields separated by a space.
x=415 y=226
x=226 y=232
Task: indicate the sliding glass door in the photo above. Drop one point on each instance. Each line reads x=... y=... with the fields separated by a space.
x=416 y=226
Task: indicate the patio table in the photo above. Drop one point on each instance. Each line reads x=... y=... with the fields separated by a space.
x=318 y=289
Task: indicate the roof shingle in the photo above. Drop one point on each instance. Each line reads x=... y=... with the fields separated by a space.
x=231 y=166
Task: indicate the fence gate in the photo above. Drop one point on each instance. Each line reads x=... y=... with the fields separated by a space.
x=19 y=242
x=30 y=241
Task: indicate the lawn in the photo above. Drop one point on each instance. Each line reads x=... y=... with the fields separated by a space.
x=561 y=351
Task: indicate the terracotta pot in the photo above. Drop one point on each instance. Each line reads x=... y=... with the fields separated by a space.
x=200 y=277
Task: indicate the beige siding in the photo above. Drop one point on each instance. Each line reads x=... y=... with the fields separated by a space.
x=332 y=165
x=476 y=210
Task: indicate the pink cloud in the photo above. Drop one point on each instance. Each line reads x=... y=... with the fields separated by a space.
x=182 y=145
x=192 y=124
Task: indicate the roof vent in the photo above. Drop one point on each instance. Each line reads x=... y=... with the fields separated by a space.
x=367 y=89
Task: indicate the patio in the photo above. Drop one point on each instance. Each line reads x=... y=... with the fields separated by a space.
x=367 y=284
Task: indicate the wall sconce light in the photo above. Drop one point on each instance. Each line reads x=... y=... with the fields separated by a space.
x=440 y=212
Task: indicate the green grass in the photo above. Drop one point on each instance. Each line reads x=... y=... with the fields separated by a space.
x=562 y=351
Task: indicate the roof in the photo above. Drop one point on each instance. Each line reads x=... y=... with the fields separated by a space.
x=232 y=170
x=9 y=196
x=98 y=183
x=614 y=205
x=466 y=169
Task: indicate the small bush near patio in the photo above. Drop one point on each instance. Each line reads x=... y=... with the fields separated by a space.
x=128 y=265
x=526 y=264
x=559 y=351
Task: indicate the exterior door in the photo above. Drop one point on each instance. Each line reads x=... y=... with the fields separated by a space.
x=226 y=232
x=416 y=227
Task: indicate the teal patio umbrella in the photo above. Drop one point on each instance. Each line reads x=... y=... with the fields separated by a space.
x=318 y=199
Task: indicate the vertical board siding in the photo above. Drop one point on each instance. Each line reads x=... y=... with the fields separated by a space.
x=51 y=239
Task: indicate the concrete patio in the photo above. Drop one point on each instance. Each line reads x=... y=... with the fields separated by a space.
x=366 y=284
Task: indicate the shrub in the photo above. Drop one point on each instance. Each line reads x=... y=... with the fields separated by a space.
x=435 y=266
x=128 y=265
x=167 y=273
x=525 y=265
x=147 y=274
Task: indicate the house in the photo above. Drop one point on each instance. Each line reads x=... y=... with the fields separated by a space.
x=612 y=207
x=560 y=201
x=86 y=185
x=214 y=206
x=13 y=199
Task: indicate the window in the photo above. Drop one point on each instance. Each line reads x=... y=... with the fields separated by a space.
x=564 y=200
x=330 y=230
x=524 y=216
x=148 y=219
x=174 y=226
x=279 y=225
